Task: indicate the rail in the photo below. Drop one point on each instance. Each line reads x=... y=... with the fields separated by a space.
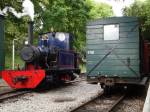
x=101 y=104
x=12 y=94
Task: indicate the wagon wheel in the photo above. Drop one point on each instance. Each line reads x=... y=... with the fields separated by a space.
x=108 y=90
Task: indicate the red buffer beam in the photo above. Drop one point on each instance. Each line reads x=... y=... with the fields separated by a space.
x=23 y=79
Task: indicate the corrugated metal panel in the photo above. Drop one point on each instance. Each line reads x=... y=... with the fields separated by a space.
x=2 y=55
x=126 y=50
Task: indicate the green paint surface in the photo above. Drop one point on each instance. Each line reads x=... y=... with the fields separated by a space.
x=2 y=51
x=126 y=49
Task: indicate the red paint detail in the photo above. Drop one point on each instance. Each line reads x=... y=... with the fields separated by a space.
x=146 y=66
x=30 y=67
x=32 y=78
x=65 y=77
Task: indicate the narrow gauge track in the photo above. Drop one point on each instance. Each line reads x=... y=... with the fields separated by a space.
x=12 y=94
x=101 y=104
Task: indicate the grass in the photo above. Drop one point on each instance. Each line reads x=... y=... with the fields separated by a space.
x=8 y=61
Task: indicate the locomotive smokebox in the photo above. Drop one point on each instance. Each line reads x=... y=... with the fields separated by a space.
x=2 y=51
x=29 y=53
x=30 y=32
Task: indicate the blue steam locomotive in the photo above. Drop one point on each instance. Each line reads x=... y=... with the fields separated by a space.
x=53 y=61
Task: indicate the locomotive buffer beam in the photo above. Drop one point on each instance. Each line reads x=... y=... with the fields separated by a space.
x=20 y=79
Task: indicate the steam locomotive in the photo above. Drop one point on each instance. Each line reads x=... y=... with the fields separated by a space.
x=53 y=61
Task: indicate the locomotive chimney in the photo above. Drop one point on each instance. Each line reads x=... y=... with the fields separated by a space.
x=2 y=51
x=30 y=32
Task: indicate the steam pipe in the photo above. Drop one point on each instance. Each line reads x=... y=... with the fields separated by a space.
x=30 y=32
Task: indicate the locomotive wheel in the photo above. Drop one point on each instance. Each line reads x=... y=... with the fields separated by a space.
x=43 y=85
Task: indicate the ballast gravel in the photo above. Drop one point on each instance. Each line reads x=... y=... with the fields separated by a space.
x=62 y=99
x=4 y=87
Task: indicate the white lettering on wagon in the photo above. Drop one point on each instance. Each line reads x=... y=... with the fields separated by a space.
x=90 y=52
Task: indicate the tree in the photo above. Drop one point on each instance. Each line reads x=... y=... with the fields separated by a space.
x=142 y=11
x=60 y=15
x=101 y=10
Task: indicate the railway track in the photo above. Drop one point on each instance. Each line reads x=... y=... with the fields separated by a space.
x=12 y=94
x=101 y=104
x=15 y=93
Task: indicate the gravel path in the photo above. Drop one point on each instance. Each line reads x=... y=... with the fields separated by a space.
x=63 y=99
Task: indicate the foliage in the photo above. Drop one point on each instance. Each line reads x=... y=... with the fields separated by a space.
x=142 y=11
x=56 y=15
x=101 y=10
x=67 y=16
x=8 y=61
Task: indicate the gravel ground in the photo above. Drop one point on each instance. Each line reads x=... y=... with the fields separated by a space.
x=4 y=87
x=3 y=83
x=63 y=99
x=134 y=102
x=101 y=104
x=131 y=104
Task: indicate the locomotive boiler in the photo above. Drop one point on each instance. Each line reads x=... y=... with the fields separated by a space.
x=52 y=62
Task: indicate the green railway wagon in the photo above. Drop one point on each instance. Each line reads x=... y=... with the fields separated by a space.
x=114 y=51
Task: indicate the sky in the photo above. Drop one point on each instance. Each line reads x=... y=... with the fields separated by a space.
x=117 y=6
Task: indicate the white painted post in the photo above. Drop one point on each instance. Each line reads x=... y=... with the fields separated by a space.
x=146 y=107
x=13 y=54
